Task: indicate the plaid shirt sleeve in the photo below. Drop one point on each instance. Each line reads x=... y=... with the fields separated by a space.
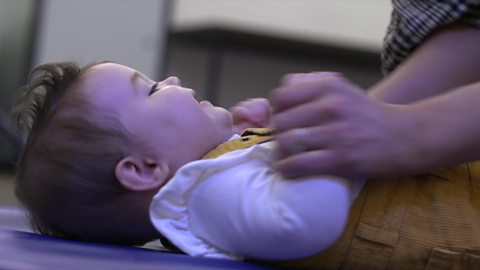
x=413 y=21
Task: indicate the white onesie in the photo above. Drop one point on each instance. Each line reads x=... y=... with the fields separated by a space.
x=238 y=206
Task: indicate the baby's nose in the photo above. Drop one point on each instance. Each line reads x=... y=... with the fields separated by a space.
x=172 y=80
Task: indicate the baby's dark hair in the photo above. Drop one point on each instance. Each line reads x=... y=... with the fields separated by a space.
x=65 y=173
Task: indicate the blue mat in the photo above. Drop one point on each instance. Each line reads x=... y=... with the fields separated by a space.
x=24 y=250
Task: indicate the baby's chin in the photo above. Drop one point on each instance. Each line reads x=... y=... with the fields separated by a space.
x=221 y=116
x=228 y=124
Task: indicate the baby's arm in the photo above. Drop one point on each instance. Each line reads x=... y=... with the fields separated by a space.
x=251 y=113
x=251 y=211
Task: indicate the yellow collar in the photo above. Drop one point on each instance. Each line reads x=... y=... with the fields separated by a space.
x=249 y=137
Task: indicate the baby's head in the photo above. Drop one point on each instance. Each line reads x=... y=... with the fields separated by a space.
x=100 y=142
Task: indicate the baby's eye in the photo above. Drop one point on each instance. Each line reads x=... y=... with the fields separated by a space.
x=153 y=89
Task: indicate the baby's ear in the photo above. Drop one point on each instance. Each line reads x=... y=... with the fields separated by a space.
x=140 y=174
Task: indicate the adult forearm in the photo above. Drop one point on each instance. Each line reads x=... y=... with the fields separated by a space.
x=448 y=59
x=442 y=131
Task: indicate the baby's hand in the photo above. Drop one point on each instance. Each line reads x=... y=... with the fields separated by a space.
x=254 y=112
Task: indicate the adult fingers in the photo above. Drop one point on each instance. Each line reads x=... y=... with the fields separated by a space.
x=313 y=113
x=302 y=91
x=294 y=78
x=318 y=162
x=295 y=141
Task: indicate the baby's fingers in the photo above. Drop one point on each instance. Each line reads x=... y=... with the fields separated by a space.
x=255 y=110
x=239 y=114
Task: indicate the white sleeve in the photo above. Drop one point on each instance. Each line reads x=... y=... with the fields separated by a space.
x=251 y=211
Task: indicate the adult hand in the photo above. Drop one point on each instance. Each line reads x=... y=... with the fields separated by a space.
x=327 y=125
x=250 y=113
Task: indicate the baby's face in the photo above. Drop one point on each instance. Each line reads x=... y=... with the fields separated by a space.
x=163 y=115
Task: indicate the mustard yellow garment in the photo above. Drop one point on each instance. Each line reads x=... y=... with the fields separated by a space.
x=249 y=137
x=430 y=221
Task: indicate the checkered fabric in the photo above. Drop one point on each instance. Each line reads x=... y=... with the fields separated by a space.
x=413 y=21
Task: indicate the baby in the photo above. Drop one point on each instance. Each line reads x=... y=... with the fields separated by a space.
x=113 y=156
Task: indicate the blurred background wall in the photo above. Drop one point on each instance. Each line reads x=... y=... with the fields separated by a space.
x=227 y=50
x=353 y=23
x=88 y=31
x=234 y=49
x=16 y=44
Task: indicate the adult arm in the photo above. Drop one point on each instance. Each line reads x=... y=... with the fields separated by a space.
x=351 y=135
x=448 y=59
x=445 y=129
